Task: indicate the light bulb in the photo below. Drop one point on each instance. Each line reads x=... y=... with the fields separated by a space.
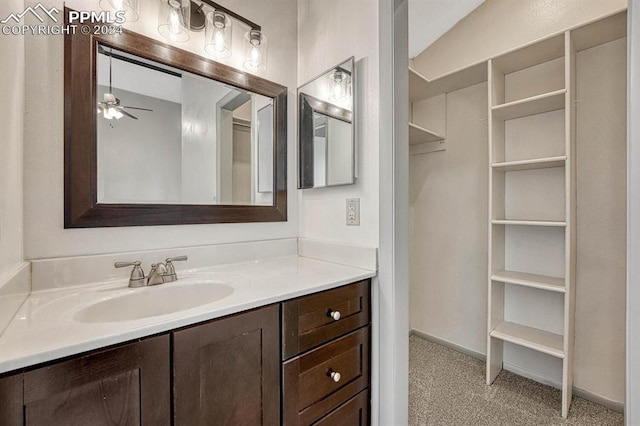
x=117 y=4
x=255 y=51
x=255 y=57
x=337 y=92
x=107 y=113
x=339 y=86
x=219 y=40
x=218 y=35
x=174 y=24
x=173 y=20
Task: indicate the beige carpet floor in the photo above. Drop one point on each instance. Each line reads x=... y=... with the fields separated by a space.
x=448 y=388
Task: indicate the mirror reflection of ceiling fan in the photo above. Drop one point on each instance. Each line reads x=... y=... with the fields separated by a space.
x=110 y=107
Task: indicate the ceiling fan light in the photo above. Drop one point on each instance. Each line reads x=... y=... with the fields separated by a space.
x=106 y=113
x=117 y=114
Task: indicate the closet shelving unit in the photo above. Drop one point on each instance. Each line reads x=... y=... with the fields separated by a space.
x=423 y=140
x=518 y=176
x=532 y=188
x=532 y=194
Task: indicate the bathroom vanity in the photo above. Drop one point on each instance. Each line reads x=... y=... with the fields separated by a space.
x=285 y=360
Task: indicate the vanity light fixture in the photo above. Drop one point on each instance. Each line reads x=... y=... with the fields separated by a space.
x=176 y=15
x=218 y=35
x=173 y=19
x=130 y=8
x=255 y=51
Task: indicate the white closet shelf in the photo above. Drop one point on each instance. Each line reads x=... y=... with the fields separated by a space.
x=538 y=104
x=529 y=222
x=536 y=163
x=420 y=87
x=532 y=338
x=541 y=282
x=532 y=54
x=418 y=135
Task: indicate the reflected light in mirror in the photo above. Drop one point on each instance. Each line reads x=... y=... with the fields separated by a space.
x=340 y=83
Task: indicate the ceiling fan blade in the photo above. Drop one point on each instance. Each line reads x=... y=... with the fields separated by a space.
x=127 y=114
x=109 y=98
x=141 y=109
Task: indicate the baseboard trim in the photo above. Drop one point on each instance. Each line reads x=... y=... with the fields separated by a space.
x=584 y=394
x=448 y=344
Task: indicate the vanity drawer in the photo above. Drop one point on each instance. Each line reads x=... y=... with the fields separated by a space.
x=307 y=321
x=309 y=391
x=354 y=412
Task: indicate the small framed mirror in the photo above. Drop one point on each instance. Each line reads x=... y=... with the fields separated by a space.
x=326 y=130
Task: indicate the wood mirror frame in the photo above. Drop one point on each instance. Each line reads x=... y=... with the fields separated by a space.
x=81 y=209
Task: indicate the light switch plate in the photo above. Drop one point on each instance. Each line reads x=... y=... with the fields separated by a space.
x=353 y=211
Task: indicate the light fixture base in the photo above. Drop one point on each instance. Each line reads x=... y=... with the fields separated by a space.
x=197 y=17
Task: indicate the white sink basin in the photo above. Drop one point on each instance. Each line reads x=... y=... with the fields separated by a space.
x=153 y=301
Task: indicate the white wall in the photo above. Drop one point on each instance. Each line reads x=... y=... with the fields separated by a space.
x=14 y=273
x=497 y=26
x=448 y=222
x=43 y=201
x=632 y=407
x=329 y=32
x=199 y=132
x=12 y=81
x=140 y=160
x=602 y=232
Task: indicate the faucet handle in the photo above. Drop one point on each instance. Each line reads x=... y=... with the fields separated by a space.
x=176 y=259
x=171 y=270
x=137 y=274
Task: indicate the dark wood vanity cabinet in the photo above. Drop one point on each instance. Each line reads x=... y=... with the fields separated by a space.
x=326 y=356
x=11 y=400
x=235 y=370
x=125 y=385
x=227 y=371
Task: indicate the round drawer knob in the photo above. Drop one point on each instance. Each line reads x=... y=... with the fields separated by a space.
x=335 y=315
x=335 y=376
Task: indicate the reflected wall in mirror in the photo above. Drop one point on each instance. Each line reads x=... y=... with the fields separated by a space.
x=155 y=135
x=326 y=134
x=167 y=136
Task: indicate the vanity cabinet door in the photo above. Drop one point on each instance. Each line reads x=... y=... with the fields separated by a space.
x=227 y=372
x=125 y=385
x=11 y=400
x=354 y=412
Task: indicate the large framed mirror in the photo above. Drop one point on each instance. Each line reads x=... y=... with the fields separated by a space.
x=155 y=135
x=326 y=131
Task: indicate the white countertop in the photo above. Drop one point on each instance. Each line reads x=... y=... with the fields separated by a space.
x=44 y=329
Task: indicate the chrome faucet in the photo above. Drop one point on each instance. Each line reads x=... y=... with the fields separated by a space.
x=160 y=272
x=157 y=274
